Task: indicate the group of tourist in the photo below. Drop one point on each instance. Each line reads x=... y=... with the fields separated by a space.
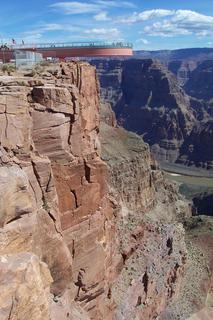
x=5 y=46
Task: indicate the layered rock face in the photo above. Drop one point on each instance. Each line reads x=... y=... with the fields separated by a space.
x=150 y=249
x=81 y=238
x=197 y=149
x=181 y=62
x=149 y=100
x=110 y=78
x=196 y=290
x=188 y=54
x=152 y=104
x=199 y=86
x=200 y=82
x=182 y=69
x=53 y=199
x=25 y=283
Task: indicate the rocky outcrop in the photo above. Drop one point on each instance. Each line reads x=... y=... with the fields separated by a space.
x=81 y=238
x=195 y=294
x=110 y=78
x=182 y=69
x=197 y=148
x=149 y=100
x=181 y=62
x=151 y=104
x=25 y=287
x=150 y=250
x=199 y=84
x=53 y=199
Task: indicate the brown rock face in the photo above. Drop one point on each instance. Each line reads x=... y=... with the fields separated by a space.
x=52 y=188
x=196 y=288
x=197 y=149
x=182 y=69
x=25 y=287
x=199 y=84
x=150 y=103
x=80 y=238
x=149 y=100
x=150 y=250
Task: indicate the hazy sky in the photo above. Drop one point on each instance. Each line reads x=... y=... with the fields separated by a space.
x=148 y=24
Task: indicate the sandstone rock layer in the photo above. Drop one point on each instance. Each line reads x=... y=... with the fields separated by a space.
x=80 y=238
x=53 y=199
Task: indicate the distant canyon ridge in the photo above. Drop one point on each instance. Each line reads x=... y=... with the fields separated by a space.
x=166 y=97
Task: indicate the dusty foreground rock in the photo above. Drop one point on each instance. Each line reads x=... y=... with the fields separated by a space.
x=81 y=238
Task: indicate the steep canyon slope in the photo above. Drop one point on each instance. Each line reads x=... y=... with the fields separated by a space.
x=148 y=100
x=181 y=62
x=84 y=234
x=55 y=216
x=149 y=239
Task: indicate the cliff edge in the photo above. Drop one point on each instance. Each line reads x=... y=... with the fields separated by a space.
x=82 y=232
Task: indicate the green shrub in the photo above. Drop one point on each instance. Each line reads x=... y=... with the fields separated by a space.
x=9 y=68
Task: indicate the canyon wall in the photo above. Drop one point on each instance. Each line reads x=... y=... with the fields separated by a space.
x=182 y=69
x=148 y=100
x=152 y=105
x=197 y=148
x=84 y=234
x=150 y=250
x=200 y=84
x=54 y=211
x=181 y=62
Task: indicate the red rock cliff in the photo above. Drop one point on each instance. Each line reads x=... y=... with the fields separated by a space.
x=75 y=241
x=53 y=202
x=150 y=251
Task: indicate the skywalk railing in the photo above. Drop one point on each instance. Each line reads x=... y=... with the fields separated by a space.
x=71 y=45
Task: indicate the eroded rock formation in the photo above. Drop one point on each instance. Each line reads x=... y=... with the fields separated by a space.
x=72 y=225
x=52 y=183
x=150 y=103
x=197 y=148
x=150 y=249
x=182 y=69
x=148 y=100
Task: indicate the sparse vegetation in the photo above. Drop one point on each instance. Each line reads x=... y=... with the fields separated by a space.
x=45 y=205
x=8 y=68
x=44 y=63
x=31 y=73
x=21 y=83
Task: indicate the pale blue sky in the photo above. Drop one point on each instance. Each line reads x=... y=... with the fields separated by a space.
x=148 y=24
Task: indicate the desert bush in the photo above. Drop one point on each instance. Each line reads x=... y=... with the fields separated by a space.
x=8 y=67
